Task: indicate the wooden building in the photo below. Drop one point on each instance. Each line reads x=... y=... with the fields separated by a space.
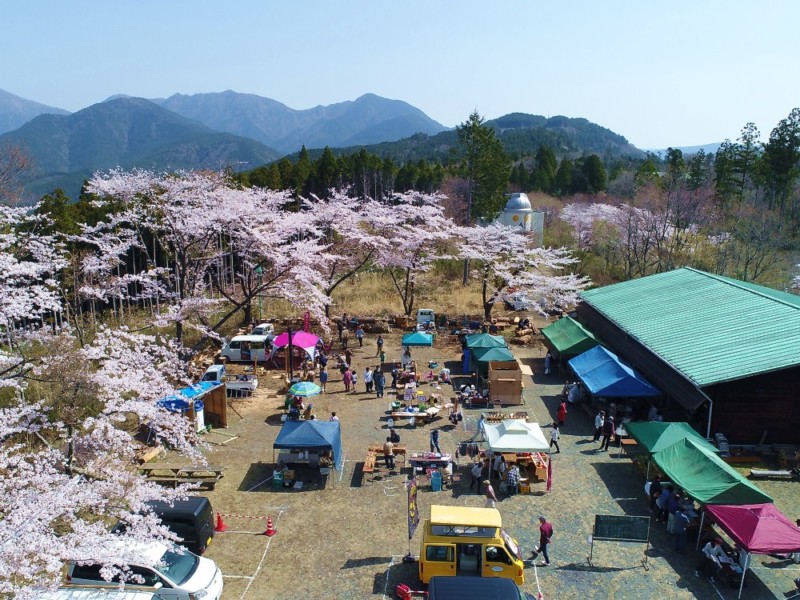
x=726 y=351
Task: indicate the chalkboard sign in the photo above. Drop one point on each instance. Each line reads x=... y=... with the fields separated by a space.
x=621 y=528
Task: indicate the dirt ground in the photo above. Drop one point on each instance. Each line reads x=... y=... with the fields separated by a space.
x=346 y=537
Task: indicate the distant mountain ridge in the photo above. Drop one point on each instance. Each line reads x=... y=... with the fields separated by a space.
x=125 y=132
x=16 y=111
x=367 y=120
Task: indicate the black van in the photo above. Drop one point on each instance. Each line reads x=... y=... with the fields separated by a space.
x=475 y=588
x=191 y=519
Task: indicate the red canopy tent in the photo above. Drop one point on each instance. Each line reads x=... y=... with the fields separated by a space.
x=757 y=528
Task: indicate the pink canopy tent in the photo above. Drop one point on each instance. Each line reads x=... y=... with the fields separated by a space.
x=300 y=339
x=757 y=528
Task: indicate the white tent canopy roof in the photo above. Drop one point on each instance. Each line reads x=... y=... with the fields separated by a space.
x=515 y=435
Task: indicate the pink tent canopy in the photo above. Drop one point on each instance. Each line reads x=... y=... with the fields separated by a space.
x=758 y=528
x=300 y=339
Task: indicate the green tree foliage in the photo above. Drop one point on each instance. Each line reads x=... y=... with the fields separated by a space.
x=594 y=173
x=544 y=173
x=485 y=165
x=562 y=184
x=697 y=170
x=782 y=162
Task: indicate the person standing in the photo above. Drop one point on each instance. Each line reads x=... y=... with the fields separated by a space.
x=561 y=414
x=491 y=497
x=598 y=425
x=323 y=378
x=708 y=560
x=655 y=492
x=512 y=480
x=395 y=375
x=368 y=378
x=382 y=355
x=345 y=338
x=355 y=380
x=435 y=440
x=394 y=437
x=379 y=342
x=608 y=433
x=681 y=522
x=348 y=356
x=334 y=417
x=360 y=336
x=347 y=378
x=340 y=328
x=388 y=454
x=548 y=359
x=554 y=433
x=545 y=534
x=476 y=471
x=380 y=383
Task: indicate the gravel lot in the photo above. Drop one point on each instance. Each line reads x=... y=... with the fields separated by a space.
x=347 y=539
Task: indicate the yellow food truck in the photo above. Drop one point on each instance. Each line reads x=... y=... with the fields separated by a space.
x=461 y=540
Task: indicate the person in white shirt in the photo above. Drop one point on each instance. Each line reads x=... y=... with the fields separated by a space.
x=368 y=377
x=709 y=559
x=554 y=438
x=598 y=425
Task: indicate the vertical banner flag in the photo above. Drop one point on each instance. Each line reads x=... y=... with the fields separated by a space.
x=413 y=513
x=307 y=322
x=549 y=473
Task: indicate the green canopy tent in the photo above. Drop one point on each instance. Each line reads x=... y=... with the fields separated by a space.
x=654 y=437
x=485 y=340
x=483 y=356
x=418 y=338
x=568 y=338
x=705 y=476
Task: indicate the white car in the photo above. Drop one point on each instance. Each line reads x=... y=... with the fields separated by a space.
x=518 y=301
x=79 y=593
x=165 y=572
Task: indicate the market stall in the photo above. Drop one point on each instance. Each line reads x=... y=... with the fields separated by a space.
x=567 y=338
x=705 y=476
x=519 y=443
x=307 y=342
x=315 y=443
x=604 y=374
x=483 y=356
x=756 y=529
x=654 y=437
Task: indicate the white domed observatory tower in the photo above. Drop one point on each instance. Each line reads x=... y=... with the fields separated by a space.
x=518 y=213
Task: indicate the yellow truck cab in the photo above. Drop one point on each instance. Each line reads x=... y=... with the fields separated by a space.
x=461 y=540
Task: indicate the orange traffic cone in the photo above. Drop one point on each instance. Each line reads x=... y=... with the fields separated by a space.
x=270 y=528
x=220 y=524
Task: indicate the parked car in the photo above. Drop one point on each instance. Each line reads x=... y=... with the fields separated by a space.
x=80 y=593
x=267 y=329
x=247 y=348
x=236 y=384
x=475 y=588
x=164 y=570
x=191 y=519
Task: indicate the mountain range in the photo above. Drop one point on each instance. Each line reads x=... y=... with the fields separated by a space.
x=242 y=131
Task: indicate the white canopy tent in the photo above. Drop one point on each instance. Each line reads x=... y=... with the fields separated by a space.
x=515 y=435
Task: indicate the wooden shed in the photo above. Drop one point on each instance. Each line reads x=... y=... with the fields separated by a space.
x=505 y=382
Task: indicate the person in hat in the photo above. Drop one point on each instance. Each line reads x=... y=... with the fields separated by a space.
x=598 y=425
x=608 y=432
x=491 y=497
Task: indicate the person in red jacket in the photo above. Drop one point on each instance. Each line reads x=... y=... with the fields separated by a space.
x=545 y=533
x=561 y=415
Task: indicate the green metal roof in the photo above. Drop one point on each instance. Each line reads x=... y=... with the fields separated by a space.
x=569 y=337
x=710 y=328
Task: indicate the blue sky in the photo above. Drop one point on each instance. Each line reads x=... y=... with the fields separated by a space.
x=669 y=73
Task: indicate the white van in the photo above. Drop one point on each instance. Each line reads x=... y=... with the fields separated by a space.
x=165 y=572
x=425 y=316
x=247 y=348
x=267 y=329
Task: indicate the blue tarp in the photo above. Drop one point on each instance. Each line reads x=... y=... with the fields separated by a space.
x=312 y=435
x=182 y=399
x=604 y=374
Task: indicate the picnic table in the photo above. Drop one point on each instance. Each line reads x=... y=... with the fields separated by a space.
x=181 y=473
x=425 y=416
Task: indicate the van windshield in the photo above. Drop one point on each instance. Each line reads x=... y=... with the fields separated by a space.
x=178 y=567
x=463 y=531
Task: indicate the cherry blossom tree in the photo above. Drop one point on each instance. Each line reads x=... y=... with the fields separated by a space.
x=418 y=231
x=200 y=235
x=506 y=257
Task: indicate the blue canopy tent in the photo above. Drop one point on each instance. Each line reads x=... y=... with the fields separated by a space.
x=604 y=374
x=418 y=338
x=316 y=436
